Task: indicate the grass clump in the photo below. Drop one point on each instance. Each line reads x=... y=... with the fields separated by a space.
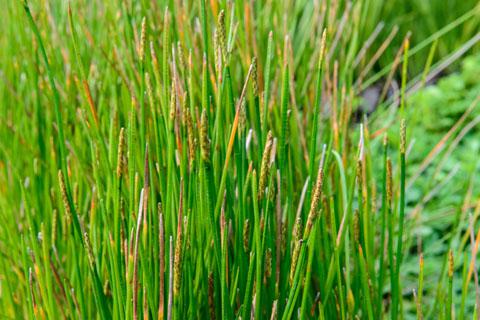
x=204 y=160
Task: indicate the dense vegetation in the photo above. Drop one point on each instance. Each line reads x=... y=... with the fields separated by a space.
x=246 y=159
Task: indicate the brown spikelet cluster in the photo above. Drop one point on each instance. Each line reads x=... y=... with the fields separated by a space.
x=272 y=193
x=255 y=77
x=173 y=101
x=316 y=198
x=121 y=147
x=75 y=195
x=54 y=226
x=283 y=238
x=148 y=84
x=63 y=191
x=265 y=166
x=222 y=37
x=242 y=118
x=389 y=181
x=262 y=223
x=297 y=227
x=296 y=252
x=217 y=54
x=143 y=35
x=153 y=55
x=204 y=140
x=161 y=239
x=268 y=263
x=323 y=45
x=88 y=247
x=177 y=274
x=450 y=264
x=359 y=173
x=211 y=298
x=403 y=136
x=177 y=264
x=246 y=235
x=183 y=107
x=350 y=301
x=191 y=140
x=274 y=310
x=295 y=245
x=181 y=56
x=356 y=227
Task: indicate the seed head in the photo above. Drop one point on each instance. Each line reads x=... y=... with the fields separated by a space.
x=217 y=54
x=181 y=57
x=204 y=140
x=350 y=301
x=211 y=298
x=148 y=83
x=296 y=229
x=296 y=252
x=63 y=191
x=54 y=226
x=88 y=247
x=450 y=264
x=191 y=139
x=242 y=118
x=264 y=170
x=268 y=263
x=222 y=38
x=317 y=194
x=177 y=273
x=246 y=234
x=389 y=181
x=283 y=238
x=255 y=77
x=153 y=55
x=141 y=52
x=356 y=227
x=359 y=172
x=403 y=136
x=173 y=101
x=322 y=47
x=121 y=147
